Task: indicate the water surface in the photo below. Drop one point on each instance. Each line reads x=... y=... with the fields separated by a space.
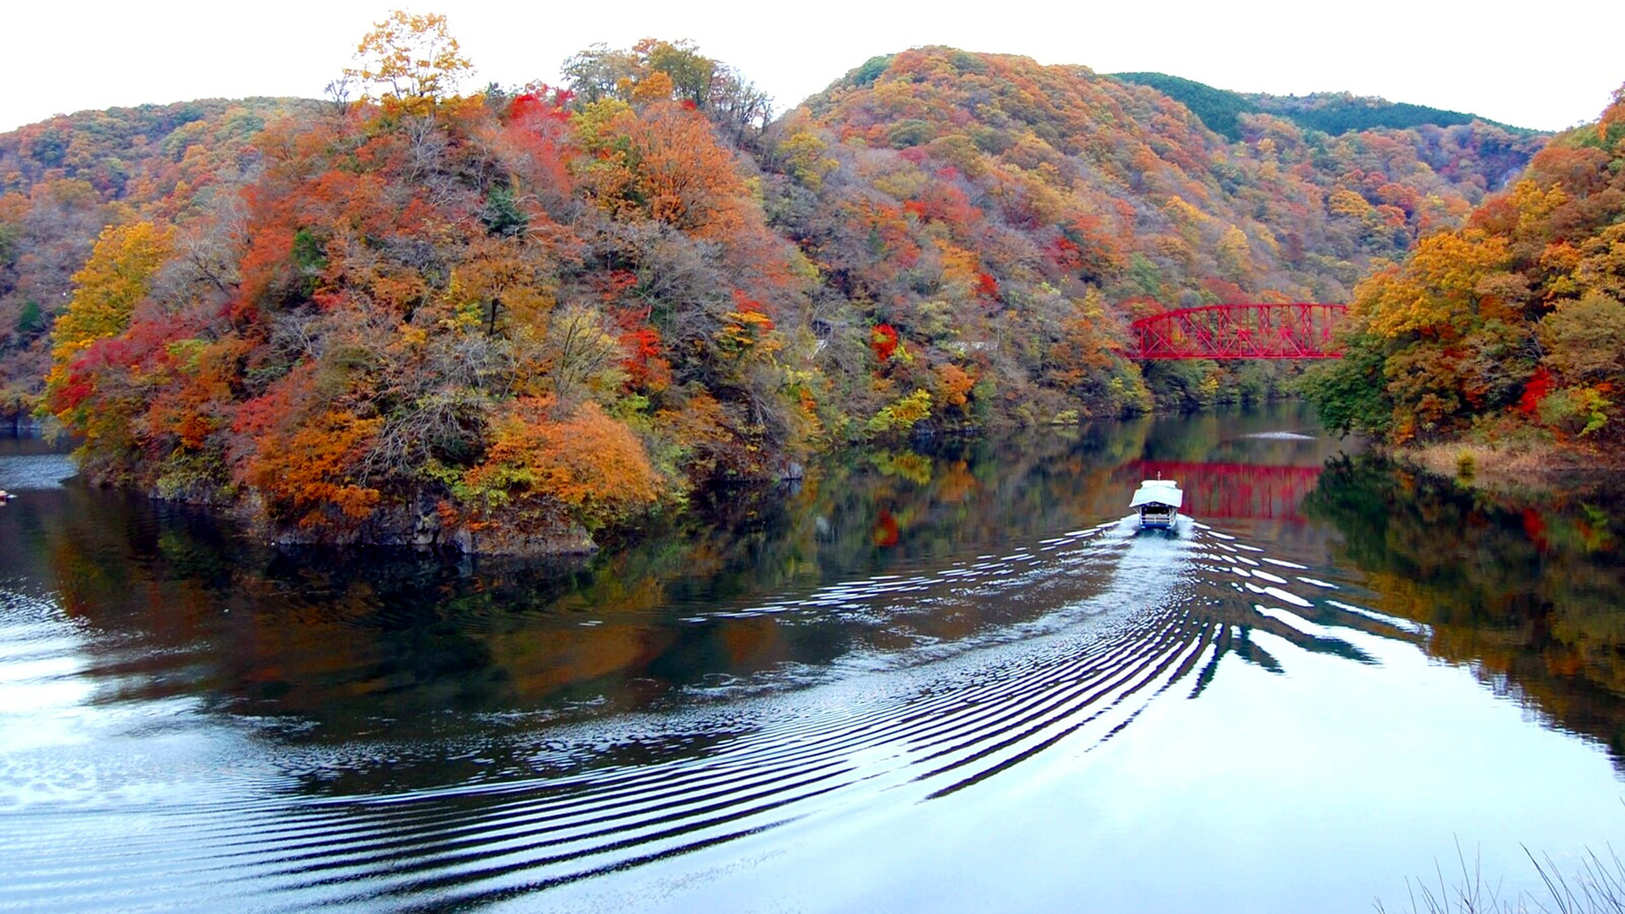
x=951 y=679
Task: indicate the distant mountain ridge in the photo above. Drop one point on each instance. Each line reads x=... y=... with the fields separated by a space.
x=1335 y=113
x=113 y=147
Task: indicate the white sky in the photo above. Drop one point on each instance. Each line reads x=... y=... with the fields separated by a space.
x=1537 y=64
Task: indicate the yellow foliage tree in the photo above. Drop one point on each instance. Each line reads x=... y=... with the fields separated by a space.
x=106 y=291
x=901 y=414
x=410 y=60
x=1234 y=253
x=1437 y=292
x=1345 y=202
x=807 y=158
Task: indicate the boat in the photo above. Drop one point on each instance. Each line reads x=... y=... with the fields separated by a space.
x=1158 y=502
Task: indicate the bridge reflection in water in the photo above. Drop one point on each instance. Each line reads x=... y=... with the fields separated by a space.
x=1231 y=491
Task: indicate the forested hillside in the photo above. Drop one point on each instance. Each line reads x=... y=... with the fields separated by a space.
x=1084 y=202
x=510 y=318
x=1510 y=328
x=63 y=179
x=1328 y=112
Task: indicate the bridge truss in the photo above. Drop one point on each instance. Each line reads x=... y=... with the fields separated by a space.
x=1240 y=331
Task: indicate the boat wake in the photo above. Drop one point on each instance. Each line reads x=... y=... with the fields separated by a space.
x=1112 y=622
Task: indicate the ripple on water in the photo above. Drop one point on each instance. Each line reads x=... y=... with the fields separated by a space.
x=250 y=821
x=35 y=472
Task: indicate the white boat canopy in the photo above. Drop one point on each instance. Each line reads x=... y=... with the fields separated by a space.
x=1158 y=492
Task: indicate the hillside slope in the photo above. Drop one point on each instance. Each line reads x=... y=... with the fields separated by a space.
x=1464 y=148
x=1123 y=188
x=508 y=320
x=1006 y=218
x=1510 y=328
x=62 y=180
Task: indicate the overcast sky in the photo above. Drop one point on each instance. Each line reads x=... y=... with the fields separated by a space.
x=1537 y=64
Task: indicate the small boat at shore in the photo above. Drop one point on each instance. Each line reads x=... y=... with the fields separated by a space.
x=1158 y=502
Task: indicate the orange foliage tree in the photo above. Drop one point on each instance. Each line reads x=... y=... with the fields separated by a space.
x=586 y=462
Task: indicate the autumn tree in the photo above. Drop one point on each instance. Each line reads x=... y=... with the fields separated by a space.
x=655 y=70
x=410 y=60
x=662 y=163
x=541 y=465
x=1584 y=339
x=106 y=291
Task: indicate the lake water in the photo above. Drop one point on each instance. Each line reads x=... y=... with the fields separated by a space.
x=948 y=680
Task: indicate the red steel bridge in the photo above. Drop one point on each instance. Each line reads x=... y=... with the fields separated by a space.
x=1240 y=331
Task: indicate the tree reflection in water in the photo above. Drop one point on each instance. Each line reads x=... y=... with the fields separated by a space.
x=1527 y=591
x=431 y=728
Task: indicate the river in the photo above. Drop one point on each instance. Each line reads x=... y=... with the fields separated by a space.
x=950 y=679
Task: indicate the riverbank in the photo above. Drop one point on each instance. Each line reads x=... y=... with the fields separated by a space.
x=432 y=520
x=1517 y=468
